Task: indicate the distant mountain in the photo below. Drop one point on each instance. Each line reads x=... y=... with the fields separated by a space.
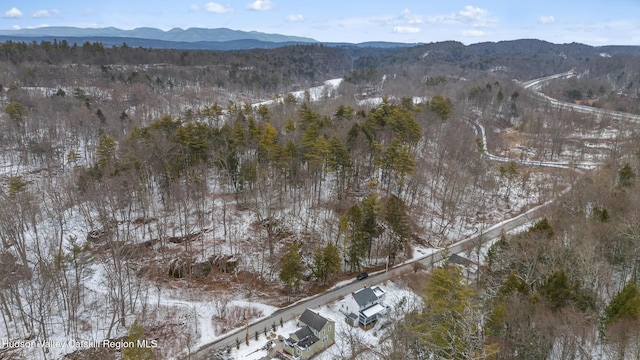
x=372 y=44
x=190 y=35
x=223 y=39
x=189 y=39
x=160 y=44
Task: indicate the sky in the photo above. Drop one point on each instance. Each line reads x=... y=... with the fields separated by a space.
x=592 y=22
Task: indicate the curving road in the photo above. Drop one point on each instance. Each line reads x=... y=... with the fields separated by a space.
x=229 y=340
x=536 y=85
x=577 y=166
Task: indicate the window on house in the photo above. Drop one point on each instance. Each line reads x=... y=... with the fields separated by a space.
x=324 y=339
x=329 y=327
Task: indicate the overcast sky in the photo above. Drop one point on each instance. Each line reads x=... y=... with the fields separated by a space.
x=593 y=22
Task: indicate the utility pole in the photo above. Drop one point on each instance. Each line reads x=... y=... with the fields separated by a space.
x=247 y=322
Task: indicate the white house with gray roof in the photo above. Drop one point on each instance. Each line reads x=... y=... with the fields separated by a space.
x=364 y=306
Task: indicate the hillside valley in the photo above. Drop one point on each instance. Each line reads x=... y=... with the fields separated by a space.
x=186 y=193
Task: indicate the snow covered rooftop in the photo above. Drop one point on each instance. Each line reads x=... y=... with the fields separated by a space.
x=375 y=309
x=378 y=291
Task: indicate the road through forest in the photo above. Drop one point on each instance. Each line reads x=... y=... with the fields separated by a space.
x=292 y=311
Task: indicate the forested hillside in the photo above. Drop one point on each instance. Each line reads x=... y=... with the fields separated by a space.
x=257 y=72
x=138 y=184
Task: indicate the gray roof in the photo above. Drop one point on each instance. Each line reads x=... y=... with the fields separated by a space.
x=365 y=296
x=313 y=320
x=303 y=332
x=305 y=337
x=457 y=259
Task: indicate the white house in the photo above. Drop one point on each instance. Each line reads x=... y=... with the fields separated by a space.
x=364 y=306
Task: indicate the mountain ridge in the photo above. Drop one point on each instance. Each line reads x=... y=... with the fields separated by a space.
x=225 y=39
x=176 y=34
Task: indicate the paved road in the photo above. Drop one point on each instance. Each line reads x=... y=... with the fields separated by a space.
x=536 y=85
x=293 y=311
x=576 y=166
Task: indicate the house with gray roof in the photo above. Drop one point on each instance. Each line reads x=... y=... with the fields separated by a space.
x=468 y=267
x=314 y=335
x=364 y=306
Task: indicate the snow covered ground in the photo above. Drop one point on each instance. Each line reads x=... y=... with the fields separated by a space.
x=396 y=294
x=193 y=313
x=316 y=93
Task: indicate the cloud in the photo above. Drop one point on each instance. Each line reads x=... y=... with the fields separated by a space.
x=406 y=30
x=217 y=8
x=295 y=18
x=194 y=7
x=475 y=16
x=16 y=27
x=546 y=19
x=472 y=13
x=45 y=13
x=469 y=15
x=474 y=33
x=13 y=13
x=260 y=5
x=408 y=17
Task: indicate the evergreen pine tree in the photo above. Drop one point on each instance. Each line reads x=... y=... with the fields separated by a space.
x=624 y=305
x=292 y=268
x=351 y=226
x=396 y=214
x=136 y=333
x=444 y=327
x=627 y=178
x=557 y=289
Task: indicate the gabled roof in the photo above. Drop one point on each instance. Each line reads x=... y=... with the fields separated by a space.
x=364 y=296
x=303 y=332
x=302 y=338
x=313 y=320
